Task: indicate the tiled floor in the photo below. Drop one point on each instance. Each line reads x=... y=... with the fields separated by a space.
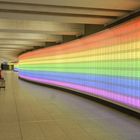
x=33 y=112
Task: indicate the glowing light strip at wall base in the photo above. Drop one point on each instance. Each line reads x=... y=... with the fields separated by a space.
x=102 y=93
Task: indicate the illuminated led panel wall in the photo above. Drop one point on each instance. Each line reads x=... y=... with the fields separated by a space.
x=105 y=65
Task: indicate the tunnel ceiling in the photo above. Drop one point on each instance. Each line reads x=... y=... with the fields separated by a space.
x=31 y=24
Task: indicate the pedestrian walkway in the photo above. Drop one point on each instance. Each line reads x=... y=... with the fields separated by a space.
x=34 y=112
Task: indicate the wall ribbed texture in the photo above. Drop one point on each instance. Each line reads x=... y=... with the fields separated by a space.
x=105 y=64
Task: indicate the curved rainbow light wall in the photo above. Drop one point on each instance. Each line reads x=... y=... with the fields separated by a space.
x=105 y=65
